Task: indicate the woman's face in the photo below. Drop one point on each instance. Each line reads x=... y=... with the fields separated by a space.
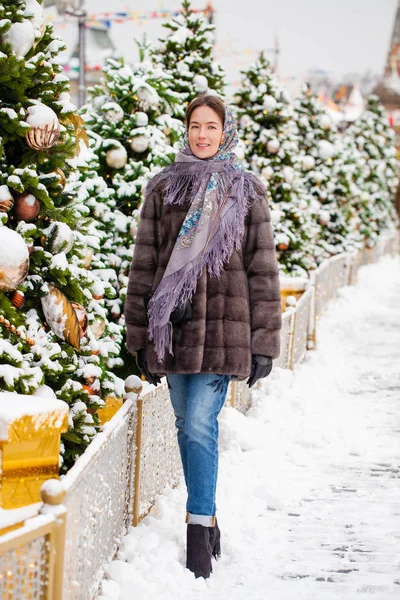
x=204 y=132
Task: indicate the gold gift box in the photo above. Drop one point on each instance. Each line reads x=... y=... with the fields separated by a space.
x=30 y=429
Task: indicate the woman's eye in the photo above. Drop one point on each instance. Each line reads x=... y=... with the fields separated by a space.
x=212 y=127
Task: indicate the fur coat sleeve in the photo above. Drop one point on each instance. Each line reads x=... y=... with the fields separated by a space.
x=259 y=258
x=144 y=265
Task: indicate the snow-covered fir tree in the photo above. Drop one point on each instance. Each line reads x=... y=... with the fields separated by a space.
x=133 y=135
x=268 y=130
x=47 y=305
x=186 y=51
x=375 y=142
x=327 y=165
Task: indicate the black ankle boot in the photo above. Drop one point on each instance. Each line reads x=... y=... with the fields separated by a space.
x=198 y=557
x=215 y=540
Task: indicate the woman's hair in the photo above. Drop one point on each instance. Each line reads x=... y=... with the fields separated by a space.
x=206 y=100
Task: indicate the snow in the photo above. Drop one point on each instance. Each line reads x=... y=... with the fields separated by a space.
x=13 y=250
x=16 y=406
x=40 y=115
x=308 y=483
x=18 y=515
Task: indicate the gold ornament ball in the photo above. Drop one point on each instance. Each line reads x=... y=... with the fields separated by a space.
x=14 y=259
x=26 y=207
x=283 y=246
x=45 y=127
x=98 y=327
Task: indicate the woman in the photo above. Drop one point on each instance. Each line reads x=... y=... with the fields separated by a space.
x=203 y=301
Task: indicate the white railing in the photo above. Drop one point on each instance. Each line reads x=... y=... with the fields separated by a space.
x=99 y=504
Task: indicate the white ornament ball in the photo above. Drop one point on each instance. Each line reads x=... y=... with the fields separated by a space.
x=325 y=122
x=318 y=177
x=253 y=96
x=117 y=158
x=140 y=143
x=291 y=301
x=14 y=259
x=288 y=174
x=113 y=112
x=315 y=206
x=276 y=215
x=308 y=162
x=273 y=146
x=244 y=121
x=267 y=172
x=200 y=83
x=141 y=119
x=324 y=217
x=326 y=149
x=303 y=122
x=269 y=103
x=21 y=36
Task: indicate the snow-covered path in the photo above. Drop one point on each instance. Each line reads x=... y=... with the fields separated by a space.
x=309 y=494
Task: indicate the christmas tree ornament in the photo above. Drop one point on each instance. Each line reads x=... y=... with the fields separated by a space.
x=82 y=318
x=87 y=259
x=325 y=122
x=308 y=162
x=282 y=241
x=267 y=172
x=325 y=149
x=141 y=119
x=318 y=177
x=133 y=384
x=6 y=199
x=113 y=112
x=324 y=217
x=116 y=158
x=26 y=207
x=45 y=127
x=288 y=174
x=269 y=103
x=133 y=229
x=61 y=316
x=98 y=327
x=59 y=237
x=14 y=259
x=273 y=145
x=17 y=298
x=21 y=37
x=200 y=83
x=140 y=143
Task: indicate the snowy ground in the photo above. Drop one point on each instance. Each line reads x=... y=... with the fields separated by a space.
x=308 y=495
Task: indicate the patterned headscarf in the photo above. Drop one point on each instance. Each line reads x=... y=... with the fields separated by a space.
x=207 y=183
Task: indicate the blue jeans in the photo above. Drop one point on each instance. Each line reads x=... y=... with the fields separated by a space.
x=197 y=401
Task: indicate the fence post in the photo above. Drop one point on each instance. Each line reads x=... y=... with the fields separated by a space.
x=53 y=494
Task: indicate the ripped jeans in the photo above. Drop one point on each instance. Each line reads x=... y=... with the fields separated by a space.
x=197 y=401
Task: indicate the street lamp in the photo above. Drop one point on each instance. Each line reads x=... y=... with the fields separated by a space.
x=76 y=8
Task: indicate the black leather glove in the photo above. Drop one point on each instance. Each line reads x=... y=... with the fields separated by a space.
x=261 y=367
x=141 y=361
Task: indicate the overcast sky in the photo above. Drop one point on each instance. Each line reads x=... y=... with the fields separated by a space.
x=337 y=36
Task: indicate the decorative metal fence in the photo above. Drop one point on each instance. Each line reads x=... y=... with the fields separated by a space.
x=99 y=504
x=157 y=454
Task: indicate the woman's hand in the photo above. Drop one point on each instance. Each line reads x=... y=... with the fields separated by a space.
x=261 y=367
x=141 y=361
